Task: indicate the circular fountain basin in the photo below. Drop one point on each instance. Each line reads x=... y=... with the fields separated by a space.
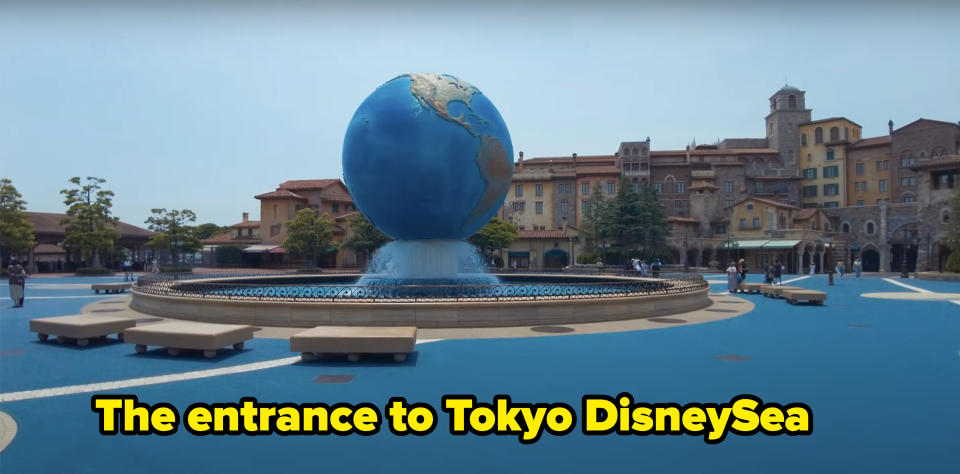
x=518 y=300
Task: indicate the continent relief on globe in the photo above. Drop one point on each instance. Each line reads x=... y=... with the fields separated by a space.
x=436 y=91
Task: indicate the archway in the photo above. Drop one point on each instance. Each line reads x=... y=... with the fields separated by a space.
x=692 y=257
x=706 y=257
x=870 y=259
x=555 y=259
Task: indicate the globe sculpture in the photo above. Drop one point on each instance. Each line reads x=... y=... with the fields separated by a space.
x=428 y=159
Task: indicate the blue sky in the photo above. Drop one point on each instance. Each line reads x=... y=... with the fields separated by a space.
x=202 y=106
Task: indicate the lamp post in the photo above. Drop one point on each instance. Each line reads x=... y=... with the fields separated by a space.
x=903 y=262
x=686 y=258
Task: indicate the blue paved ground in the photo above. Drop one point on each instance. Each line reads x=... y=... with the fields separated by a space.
x=884 y=394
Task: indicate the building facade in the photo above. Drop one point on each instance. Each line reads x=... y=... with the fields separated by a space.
x=823 y=150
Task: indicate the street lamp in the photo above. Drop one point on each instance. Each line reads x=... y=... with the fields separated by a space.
x=686 y=258
x=903 y=263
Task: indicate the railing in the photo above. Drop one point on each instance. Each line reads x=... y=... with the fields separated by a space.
x=161 y=285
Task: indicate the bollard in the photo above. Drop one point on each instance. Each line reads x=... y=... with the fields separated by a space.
x=831 y=278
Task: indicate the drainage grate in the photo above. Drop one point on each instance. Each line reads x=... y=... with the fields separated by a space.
x=333 y=378
x=668 y=320
x=722 y=310
x=552 y=329
x=733 y=358
x=106 y=310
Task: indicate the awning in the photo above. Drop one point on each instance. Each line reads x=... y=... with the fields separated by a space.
x=518 y=254
x=278 y=250
x=781 y=244
x=259 y=248
x=745 y=244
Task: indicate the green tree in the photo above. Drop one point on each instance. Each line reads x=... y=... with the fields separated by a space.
x=173 y=231
x=596 y=221
x=653 y=228
x=309 y=235
x=366 y=238
x=89 y=227
x=495 y=235
x=16 y=230
x=205 y=231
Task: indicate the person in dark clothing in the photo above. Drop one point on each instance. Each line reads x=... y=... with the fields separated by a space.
x=777 y=272
x=17 y=279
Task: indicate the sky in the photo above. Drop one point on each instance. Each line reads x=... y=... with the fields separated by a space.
x=202 y=105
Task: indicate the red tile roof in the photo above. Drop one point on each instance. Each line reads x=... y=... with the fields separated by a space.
x=829 y=119
x=542 y=234
x=280 y=193
x=728 y=151
x=875 y=141
x=569 y=159
x=804 y=214
x=768 y=201
x=591 y=170
x=308 y=183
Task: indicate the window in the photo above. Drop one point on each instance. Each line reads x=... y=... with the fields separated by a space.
x=681 y=187
x=679 y=204
x=758 y=187
x=809 y=191
x=845 y=227
x=658 y=188
x=743 y=223
x=611 y=187
x=860 y=186
x=518 y=206
x=584 y=206
x=831 y=189
x=907 y=160
x=538 y=207
x=564 y=206
x=635 y=187
x=831 y=171
x=908 y=199
x=756 y=223
x=944 y=179
x=883 y=185
x=585 y=188
x=834 y=134
x=539 y=190
x=518 y=190
x=728 y=187
x=859 y=202
x=883 y=165
x=881 y=201
x=859 y=168
x=803 y=139
x=728 y=202
x=750 y=206
x=792 y=101
x=335 y=208
x=908 y=181
x=720 y=229
x=870 y=228
x=818 y=135
x=830 y=155
x=565 y=188
x=831 y=204
x=810 y=173
x=782 y=186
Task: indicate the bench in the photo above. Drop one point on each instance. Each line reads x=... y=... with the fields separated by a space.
x=81 y=328
x=750 y=287
x=774 y=291
x=180 y=335
x=110 y=287
x=811 y=296
x=354 y=340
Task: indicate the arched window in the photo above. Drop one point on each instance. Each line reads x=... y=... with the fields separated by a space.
x=834 y=134
x=870 y=228
x=845 y=227
x=792 y=101
x=922 y=155
x=773 y=104
x=818 y=135
x=781 y=221
x=937 y=153
x=635 y=152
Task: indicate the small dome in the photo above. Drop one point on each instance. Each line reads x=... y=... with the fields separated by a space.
x=789 y=88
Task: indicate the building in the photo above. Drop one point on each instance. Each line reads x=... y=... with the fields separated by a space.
x=50 y=256
x=868 y=171
x=918 y=142
x=823 y=150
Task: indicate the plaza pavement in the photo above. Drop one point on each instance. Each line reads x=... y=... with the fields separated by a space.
x=880 y=375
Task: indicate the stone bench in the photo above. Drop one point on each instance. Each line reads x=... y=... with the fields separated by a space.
x=179 y=335
x=775 y=291
x=110 y=287
x=355 y=340
x=750 y=287
x=81 y=328
x=812 y=296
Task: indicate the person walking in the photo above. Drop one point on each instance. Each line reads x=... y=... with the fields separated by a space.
x=127 y=269
x=777 y=273
x=656 y=268
x=813 y=268
x=154 y=265
x=732 y=276
x=743 y=270
x=17 y=279
x=857 y=267
x=839 y=270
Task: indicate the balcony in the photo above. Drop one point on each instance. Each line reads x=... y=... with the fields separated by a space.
x=636 y=172
x=702 y=174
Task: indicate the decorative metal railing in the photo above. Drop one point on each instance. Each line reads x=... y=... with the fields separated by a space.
x=318 y=291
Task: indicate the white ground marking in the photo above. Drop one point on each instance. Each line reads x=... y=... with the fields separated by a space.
x=914 y=288
x=795 y=279
x=68 y=297
x=154 y=380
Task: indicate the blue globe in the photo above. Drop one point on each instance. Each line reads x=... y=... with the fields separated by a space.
x=427 y=156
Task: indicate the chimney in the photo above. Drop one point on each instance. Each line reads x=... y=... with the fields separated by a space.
x=890 y=124
x=246 y=216
x=520 y=162
x=574 y=160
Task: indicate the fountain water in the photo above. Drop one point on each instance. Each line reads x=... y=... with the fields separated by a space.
x=427 y=262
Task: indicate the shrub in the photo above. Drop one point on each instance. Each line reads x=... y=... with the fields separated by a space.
x=87 y=271
x=176 y=268
x=953 y=262
x=229 y=256
x=587 y=258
